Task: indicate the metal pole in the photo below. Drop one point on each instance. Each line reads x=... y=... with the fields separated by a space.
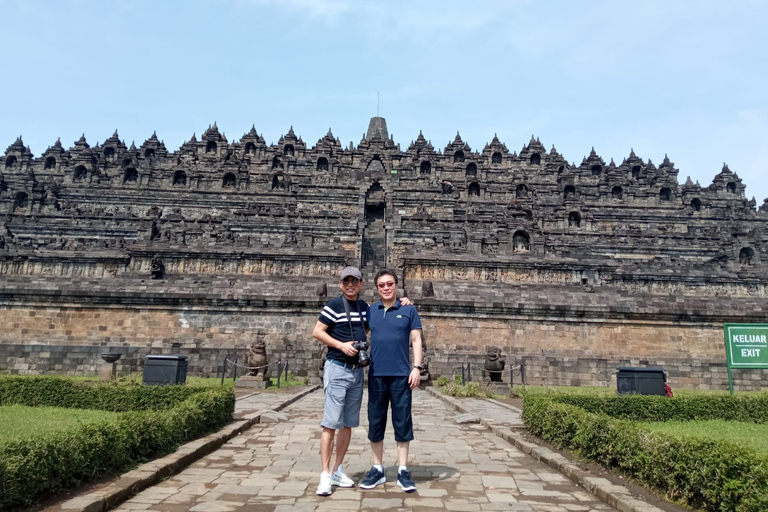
x=522 y=373
x=286 y=371
x=462 y=374
x=223 y=370
x=511 y=375
x=730 y=379
x=234 y=372
x=469 y=372
x=279 y=364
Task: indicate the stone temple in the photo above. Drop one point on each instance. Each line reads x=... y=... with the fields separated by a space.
x=572 y=269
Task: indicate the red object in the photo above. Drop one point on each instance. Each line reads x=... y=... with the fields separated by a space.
x=668 y=390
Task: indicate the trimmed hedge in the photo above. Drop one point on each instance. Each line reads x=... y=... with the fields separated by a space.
x=75 y=394
x=699 y=473
x=747 y=408
x=34 y=467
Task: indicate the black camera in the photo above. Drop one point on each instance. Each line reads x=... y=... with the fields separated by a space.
x=363 y=359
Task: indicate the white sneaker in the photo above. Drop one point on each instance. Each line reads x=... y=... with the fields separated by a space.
x=339 y=479
x=324 y=489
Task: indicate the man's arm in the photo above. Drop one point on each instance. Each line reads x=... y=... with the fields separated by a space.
x=320 y=333
x=415 y=377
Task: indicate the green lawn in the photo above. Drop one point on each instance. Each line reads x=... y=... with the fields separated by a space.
x=751 y=435
x=20 y=421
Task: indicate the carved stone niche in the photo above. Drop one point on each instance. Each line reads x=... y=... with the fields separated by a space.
x=157 y=268
x=427 y=289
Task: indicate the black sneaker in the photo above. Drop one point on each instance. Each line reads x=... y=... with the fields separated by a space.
x=374 y=478
x=405 y=482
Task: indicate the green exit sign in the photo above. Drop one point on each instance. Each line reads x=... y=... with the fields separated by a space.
x=746 y=345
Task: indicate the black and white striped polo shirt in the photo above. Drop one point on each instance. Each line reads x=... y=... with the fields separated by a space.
x=335 y=317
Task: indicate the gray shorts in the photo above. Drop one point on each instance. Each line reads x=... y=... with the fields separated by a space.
x=343 y=396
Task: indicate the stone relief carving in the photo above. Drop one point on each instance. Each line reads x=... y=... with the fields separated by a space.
x=525 y=208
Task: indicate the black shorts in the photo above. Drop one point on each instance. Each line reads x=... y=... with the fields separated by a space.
x=383 y=391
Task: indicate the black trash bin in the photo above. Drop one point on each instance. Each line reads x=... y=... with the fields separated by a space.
x=160 y=370
x=644 y=381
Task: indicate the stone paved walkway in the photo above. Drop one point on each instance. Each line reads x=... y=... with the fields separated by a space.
x=260 y=401
x=275 y=467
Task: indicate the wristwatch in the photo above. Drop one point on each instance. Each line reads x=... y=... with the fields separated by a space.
x=418 y=367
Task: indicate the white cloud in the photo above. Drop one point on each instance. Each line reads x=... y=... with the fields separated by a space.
x=326 y=10
x=395 y=19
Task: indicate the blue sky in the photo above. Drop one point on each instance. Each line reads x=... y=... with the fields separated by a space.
x=683 y=78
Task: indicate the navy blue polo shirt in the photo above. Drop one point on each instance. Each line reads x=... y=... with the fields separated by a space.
x=390 y=339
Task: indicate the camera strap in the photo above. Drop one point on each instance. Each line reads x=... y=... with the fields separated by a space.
x=349 y=316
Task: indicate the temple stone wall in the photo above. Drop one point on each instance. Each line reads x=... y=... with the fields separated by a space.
x=566 y=351
x=574 y=267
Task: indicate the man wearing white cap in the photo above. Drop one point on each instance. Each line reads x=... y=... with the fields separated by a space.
x=341 y=323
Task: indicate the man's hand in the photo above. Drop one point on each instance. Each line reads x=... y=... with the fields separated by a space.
x=414 y=378
x=405 y=301
x=348 y=349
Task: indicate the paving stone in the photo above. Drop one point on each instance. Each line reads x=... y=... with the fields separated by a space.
x=382 y=503
x=179 y=499
x=256 y=507
x=421 y=502
x=238 y=489
x=462 y=505
x=135 y=506
x=276 y=466
x=500 y=497
x=463 y=419
x=431 y=493
x=215 y=506
x=499 y=482
x=273 y=417
x=529 y=486
x=339 y=505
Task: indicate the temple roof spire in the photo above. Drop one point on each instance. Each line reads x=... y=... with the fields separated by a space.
x=377 y=129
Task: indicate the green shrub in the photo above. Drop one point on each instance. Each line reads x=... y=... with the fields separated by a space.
x=470 y=389
x=748 y=408
x=699 y=473
x=78 y=394
x=522 y=390
x=163 y=418
x=442 y=381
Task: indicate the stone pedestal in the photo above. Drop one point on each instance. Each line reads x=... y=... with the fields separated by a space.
x=109 y=366
x=500 y=388
x=108 y=371
x=315 y=377
x=257 y=382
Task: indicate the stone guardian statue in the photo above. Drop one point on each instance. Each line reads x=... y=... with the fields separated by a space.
x=494 y=364
x=256 y=359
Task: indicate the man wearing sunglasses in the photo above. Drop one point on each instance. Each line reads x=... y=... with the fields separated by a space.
x=391 y=377
x=342 y=378
x=342 y=321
